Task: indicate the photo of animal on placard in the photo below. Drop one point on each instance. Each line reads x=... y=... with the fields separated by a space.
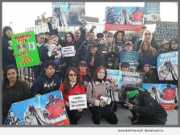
x=48 y=109
x=165 y=94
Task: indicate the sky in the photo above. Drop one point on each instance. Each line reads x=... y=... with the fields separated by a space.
x=21 y=15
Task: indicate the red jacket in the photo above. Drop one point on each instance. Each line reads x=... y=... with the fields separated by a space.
x=76 y=90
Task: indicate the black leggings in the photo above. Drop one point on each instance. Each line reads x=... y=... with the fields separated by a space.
x=73 y=115
x=103 y=112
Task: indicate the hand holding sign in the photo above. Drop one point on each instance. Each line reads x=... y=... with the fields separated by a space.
x=78 y=102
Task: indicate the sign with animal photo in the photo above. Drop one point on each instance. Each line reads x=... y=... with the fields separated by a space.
x=47 y=109
x=68 y=51
x=78 y=102
x=124 y=18
x=115 y=75
x=25 y=49
x=165 y=94
x=167 y=66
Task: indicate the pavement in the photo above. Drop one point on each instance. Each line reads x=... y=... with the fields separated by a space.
x=123 y=119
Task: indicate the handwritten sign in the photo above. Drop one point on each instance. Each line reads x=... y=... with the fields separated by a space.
x=78 y=102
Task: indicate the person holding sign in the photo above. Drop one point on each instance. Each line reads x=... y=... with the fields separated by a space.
x=100 y=95
x=72 y=87
x=48 y=81
x=14 y=90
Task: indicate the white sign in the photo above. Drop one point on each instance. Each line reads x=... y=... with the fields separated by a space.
x=78 y=102
x=68 y=51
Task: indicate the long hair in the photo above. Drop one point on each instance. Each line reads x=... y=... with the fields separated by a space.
x=95 y=78
x=66 y=82
x=115 y=35
x=6 y=81
x=72 y=36
x=144 y=33
x=151 y=50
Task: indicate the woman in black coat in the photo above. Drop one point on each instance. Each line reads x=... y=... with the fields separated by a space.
x=14 y=90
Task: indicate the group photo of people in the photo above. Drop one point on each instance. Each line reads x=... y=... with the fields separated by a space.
x=88 y=75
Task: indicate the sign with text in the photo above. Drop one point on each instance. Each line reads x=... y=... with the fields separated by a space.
x=78 y=102
x=166 y=31
x=68 y=51
x=25 y=49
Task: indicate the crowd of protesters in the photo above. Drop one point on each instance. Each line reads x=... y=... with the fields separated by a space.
x=85 y=73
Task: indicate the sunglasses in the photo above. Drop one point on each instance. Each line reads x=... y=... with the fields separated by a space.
x=83 y=64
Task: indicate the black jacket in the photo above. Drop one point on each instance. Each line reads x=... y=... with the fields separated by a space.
x=20 y=91
x=149 y=110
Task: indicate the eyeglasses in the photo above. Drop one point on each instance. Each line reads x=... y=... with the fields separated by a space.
x=72 y=75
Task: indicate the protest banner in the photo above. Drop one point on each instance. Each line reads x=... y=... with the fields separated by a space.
x=47 y=109
x=124 y=18
x=167 y=66
x=68 y=51
x=166 y=31
x=78 y=102
x=130 y=57
x=151 y=12
x=165 y=94
x=133 y=78
x=115 y=75
x=25 y=49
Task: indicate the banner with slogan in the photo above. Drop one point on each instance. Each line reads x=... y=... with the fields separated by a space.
x=131 y=78
x=131 y=57
x=25 y=49
x=47 y=109
x=78 y=102
x=165 y=94
x=167 y=66
x=68 y=51
x=166 y=31
x=124 y=18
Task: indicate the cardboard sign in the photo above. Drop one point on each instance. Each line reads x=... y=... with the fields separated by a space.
x=68 y=51
x=25 y=49
x=78 y=102
x=165 y=94
x=47 y=109
x=167 y=66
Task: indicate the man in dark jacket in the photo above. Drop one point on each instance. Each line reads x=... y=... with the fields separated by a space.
x=8 y=57
x=145 y=109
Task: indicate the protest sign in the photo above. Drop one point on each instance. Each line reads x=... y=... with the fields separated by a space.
x=47 y=109
x=78 y=102
x=133 y=78
x=115 y=75
x=68 y=51
x=25 y=49
x=165 y=94
x=130 y=57
x=167 y=66
x=166 y=31
x=124 y=18
x=151 y=12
